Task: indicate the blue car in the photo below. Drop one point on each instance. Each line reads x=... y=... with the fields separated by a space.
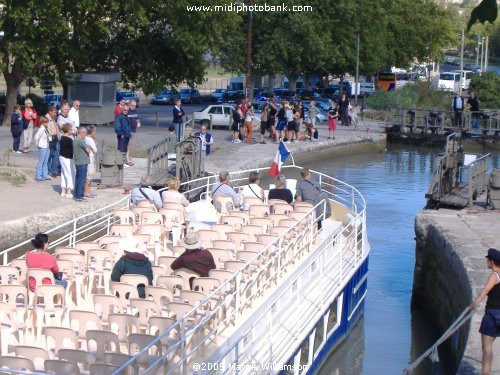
x=165 y=97
x=127 y=95
x=190 y=96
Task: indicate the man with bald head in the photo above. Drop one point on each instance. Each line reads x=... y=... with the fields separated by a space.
x=74 y=114
x=81 y=157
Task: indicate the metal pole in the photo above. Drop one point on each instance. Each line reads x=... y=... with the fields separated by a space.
x=248 y=77
x=486 y=54
x=462 y=63
x=477 y=50
x=356 y=83
x=482 y=53
x=157 y=119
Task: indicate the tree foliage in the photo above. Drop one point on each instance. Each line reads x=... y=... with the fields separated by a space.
x=487 y=87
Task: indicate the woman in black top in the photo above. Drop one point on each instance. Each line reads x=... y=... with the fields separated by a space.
x=66 y=161
x=344 y=110
x=490 y=325
x=280 y=192
x=237 y=116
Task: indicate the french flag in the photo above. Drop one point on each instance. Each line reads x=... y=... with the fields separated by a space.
x=280 y=157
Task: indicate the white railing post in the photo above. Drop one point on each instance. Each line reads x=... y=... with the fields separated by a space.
x=73 y=235
x=237 y=291
x=182 y=343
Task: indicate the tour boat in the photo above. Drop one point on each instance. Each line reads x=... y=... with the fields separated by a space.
x=284 y=294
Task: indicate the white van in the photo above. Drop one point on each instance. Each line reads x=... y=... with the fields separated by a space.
x=466 y=77
x=449 y=81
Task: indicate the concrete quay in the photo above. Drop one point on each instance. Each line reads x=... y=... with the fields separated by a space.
x=36 y=206
x=450 y=271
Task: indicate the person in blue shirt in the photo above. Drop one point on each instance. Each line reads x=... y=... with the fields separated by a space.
x=135 y=123
x=16 y=128
x=206 y=140
x=123 y=133
x=178 y=114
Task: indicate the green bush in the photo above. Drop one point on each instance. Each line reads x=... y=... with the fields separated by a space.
x=417 y=95
x=487 y=87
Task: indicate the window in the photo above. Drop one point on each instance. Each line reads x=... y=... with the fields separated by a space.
x=320 y=335
x=215 y=110
x=447 y=76
x=332 y=317
x=228 y=110
x=86 y=92
x=304 y=353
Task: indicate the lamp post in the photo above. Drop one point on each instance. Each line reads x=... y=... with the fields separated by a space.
x=462 y=62
x=248 y=75
x=356 y=83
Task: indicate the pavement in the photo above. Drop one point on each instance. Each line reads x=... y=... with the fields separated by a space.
x=37 y=206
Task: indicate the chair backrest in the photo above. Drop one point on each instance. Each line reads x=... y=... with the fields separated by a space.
x=123 y=325
x=144 y=203
x=258 y=210
x=222 y=229
x=224 y=244
x=151 y=218
x=172 y=216
x=247 y=256
x=205 y=284
x=144 y=309
x=287 y=223
x=263 y=222
x=252 y=200
x=166 y=263
x=105 y=304
x=222 y=203
x=192 y=297
x=11 y=293
x=101 y=342
x=66 y=250
x=81 y=357
x=280 y=229
x=186 y=275
x=134 y=279
x=20 y=264
x=118 y=359
x=79 y=261
x=98 y=260
x=138 y=341
x=244 y=215
x=39 y=275
x=160 y=295
x=255 y=247
x=124 y=217
x=86 y=246
x=53 y=296
x=222 y=276
x=282 y=208
x=67 y=268
x=102 y=369
x=172 y=283
x=234 y=265
x=81 y=321
x=276 y=218
x=61 y=367
x=16 y=363
x=235 y=221
x=158 y=325
x=238 y=238
x=220 y=256
x=207 y=236
x=154 y=230
x=266 y=239
x=178 y=309
x=108 y=239
x=37 y=355
x=121 y=230
x=142 y=240
x=138 y=211
x=123 y=291
x=61 y=336
x=173 y=206
x=160 y=271
x=252 y=231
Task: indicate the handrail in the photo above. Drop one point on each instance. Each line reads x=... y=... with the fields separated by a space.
x=70 y=236
x=476 y=173
x=180 y=324
x=432 y=351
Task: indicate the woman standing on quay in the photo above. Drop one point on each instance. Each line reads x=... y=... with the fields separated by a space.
x=490 y=325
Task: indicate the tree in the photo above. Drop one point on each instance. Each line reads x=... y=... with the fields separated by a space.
x=29 y=34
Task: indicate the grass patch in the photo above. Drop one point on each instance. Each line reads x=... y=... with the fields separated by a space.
x=14 y=179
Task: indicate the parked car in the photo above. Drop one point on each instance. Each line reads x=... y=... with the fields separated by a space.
x=231 y=97
x=305 y=94
x=127 y=95
x=190 y=96
x=221 y=114
x=217 y=94
x=166 y=96
x=53 y=100
x=283 y=94
x=264 y=95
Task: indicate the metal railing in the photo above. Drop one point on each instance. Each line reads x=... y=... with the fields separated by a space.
x=477 y=178
x=243 y=285
x=86 y=227
x=435 y=121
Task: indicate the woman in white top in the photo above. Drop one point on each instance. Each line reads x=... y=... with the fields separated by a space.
x=253 y=189
x=90 y=141
x=172 y=195
x=42 y=139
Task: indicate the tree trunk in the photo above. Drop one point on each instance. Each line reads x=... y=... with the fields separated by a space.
x=12 y=80
x=292 y=83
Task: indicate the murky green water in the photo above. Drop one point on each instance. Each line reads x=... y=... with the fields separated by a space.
x=394 y=184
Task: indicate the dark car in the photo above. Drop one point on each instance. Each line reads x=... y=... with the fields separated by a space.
x=264 y=95
x=305 y=94
x=231 y=97
x=283 y=94
x=190 y=96
x=331 y=93
x=165 y=97
x=217 y=94
x=127 y=95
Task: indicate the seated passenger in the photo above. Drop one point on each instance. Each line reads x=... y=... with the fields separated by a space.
x=253 y=189
x=172 y=195
x=223 y=189
x=41 y=259
x=195 y=258
x=133 y=263
x=281 y=192
x=310 y=133
x=145 y=192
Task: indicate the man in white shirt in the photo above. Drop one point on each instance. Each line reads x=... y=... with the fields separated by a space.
x=145 y=192
x=64 y=118
x=74 y=114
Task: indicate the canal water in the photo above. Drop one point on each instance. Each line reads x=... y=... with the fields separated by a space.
x=390 y=335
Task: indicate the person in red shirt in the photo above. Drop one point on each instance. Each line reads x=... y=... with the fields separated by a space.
x=39 y=258
x=118 y=108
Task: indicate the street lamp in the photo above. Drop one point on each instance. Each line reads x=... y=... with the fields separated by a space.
x=248 y=78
